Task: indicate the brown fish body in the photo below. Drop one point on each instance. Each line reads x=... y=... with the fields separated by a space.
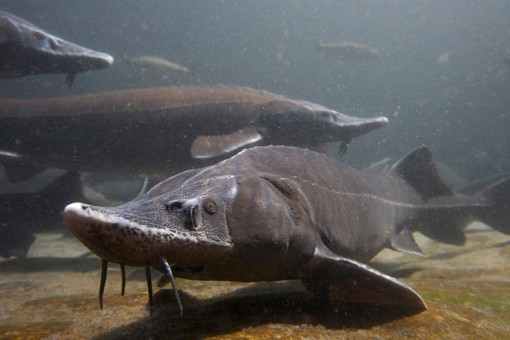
x=277 y=213
x=164 y=130
x=291 y=200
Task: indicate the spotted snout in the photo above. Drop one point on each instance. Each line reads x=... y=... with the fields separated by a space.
x=110 y=236
x=139 y=232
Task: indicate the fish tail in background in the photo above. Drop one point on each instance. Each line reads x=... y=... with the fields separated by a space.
x=496 y=210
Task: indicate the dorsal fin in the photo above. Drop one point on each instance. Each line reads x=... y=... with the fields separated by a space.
x=420 y=172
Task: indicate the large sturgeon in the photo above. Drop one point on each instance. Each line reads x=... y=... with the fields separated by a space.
x=27 y=49
x=162 y=130
x=277 y=213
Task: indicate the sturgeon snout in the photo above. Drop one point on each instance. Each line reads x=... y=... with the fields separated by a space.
x=105 y=235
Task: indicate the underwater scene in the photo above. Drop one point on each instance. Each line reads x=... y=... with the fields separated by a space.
x=245 y=169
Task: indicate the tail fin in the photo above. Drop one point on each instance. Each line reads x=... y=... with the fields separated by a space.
x=496 y=213
x=444 y=216
x=446 y=213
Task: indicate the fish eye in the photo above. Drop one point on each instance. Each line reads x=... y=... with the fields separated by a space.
x=209 y=206
x=38 y=35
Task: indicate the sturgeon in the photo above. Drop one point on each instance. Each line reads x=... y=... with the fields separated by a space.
x=280 y=213
x=155 y=131
x=28 y=49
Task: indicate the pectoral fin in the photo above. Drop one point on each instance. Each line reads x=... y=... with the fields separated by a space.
x=212 y=146
x=342 y=279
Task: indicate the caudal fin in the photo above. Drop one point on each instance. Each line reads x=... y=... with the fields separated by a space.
x=496 y=212
x=446 y=213
x=443 y=216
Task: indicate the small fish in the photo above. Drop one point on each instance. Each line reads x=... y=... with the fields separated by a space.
x=443 y=58
x=347 y=51
x=282 y=213
x=152 y=61
x=27 y=49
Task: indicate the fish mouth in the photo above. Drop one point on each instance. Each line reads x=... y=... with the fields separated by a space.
x=106 y=235
x=83 y=220
x=119 y=240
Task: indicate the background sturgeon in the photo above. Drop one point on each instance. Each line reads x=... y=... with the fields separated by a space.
x=161 y=130
x=275 y=213
x=27 y=49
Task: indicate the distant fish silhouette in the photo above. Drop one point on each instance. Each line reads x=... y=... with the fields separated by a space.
x=347 y=51
x=27 y=49
x=443 y=58
x=159 y=63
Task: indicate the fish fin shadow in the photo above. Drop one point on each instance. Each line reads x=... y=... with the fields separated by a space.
x=258 y=304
